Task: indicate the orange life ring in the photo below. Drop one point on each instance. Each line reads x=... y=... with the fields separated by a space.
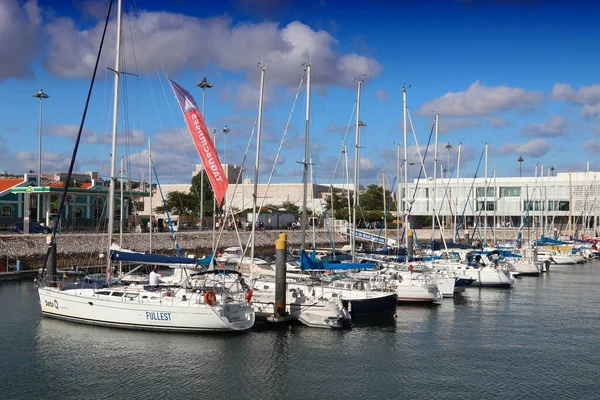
x=249 y=294
x=210 y=297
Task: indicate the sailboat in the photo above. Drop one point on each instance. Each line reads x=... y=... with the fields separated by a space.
x=303 y=305
x=191 y=305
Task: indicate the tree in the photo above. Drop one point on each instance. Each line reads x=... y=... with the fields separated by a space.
x=372 y=199
x=180 y=203
x=208 y=193
x=289 y=206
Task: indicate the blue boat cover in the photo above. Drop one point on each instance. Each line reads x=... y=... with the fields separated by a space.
x=128 y=256
x=548 y=241
x=306 y=263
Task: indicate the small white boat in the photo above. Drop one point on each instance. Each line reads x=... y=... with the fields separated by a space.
x=310 y=311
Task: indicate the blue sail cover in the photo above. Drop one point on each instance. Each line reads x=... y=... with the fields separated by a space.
x=548 y=241
x=128 y=256
x=306 y=263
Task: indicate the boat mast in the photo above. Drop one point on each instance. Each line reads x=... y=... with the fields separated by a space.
x=121 y=213
x=348 y=188
x=384 y=210
x=150 y=190
x=257 y=159
x=356 y=166
x=485 y=197
x=405 y=222
x=305 y=162
x=433 y=193
x=113 y=158
x=398 y=197
x=312 y=183
x=458 y=194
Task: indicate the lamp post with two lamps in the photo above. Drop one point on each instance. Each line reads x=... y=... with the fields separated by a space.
x=520 y=160
x=40 y=95
x=203 y=84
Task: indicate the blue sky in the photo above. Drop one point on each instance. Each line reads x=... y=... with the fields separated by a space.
x=521 y=75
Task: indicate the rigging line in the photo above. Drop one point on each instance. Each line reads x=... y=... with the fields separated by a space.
x=344 y=142
x=76 y=147
x=467 y=201
x=133 y=7
x=234 y=191
x=285 y=131
x=422 y=168
x=177 y=249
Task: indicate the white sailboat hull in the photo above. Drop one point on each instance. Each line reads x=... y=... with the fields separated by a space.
x=159 y=314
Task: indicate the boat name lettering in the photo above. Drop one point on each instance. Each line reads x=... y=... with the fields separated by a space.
x=158 y=316
x=53 y=304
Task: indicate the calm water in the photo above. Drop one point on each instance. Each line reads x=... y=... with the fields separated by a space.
x=537 y=340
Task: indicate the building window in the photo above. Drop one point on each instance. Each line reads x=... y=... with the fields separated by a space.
x=510 y=192
x=558 y=205
x=7 y=211
x=481 y=192
x=532 y=205
x=78 y=212
x=489 y=206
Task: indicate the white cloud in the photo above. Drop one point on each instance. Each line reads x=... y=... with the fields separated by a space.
x=497 y=122
x=592 y=146
x=585 y=94
x=591 y=111
x=457 y=124
x=553 y=127
x=480 y=100
x=171 y=40
x=133 y=137
x=51 y=162
x=533 y=148
x=20 y=33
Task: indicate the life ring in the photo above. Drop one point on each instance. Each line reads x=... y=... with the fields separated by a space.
x=249 y=294
x=210 y=297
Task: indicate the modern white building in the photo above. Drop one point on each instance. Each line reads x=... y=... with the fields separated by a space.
x=240 y=192
x=566 y=201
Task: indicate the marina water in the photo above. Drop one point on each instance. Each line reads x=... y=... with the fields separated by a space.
x=536 y=340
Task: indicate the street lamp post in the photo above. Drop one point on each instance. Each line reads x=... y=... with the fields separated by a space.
x=520 y=160
x=225 y=131
x=40 y=95
x=448 y=147
x=204 y=84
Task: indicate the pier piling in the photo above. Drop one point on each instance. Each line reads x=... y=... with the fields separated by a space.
x=280 y=276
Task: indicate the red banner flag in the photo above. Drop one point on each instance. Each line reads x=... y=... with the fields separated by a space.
x=201 y=138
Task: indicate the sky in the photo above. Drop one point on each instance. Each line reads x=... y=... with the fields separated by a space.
x=519 y=75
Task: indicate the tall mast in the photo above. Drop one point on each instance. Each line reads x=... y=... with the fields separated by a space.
x=384 y=210
x=433 y=193
x=113 y=156
x=348 y=187
x=398 y=196
x=485 y=197
x=121 y=213
x=405 y=221
x=122 y=198
x=305 y=161
x=356 y=166
x=257 y=159
x=312 y=183
x=458 y=194
x=150 y=190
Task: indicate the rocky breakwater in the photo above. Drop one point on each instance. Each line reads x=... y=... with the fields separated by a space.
x=84 y=249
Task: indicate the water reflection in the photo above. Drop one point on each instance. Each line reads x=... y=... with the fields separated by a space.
x=537 y=340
